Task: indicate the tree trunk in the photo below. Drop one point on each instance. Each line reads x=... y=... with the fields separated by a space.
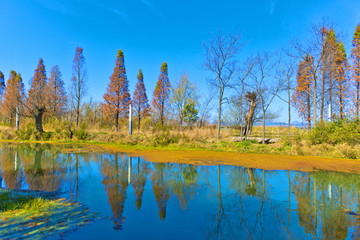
x=162 y=113
x=341 y=101
x=38 y=119
x=314 y=98
x=357 y=99
x=117 y=121
x=263 y=128
x=289 y=108
x=219 y=116
x=139 y=118
x=322 y=97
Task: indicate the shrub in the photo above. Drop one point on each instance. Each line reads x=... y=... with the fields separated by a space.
x=337 y=132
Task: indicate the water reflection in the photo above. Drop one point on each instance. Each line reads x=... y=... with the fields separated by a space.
x=219 y=202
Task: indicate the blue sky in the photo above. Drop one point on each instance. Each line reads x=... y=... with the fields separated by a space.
x=152 y=31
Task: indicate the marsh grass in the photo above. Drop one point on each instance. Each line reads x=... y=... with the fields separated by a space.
x=338 y=139
x=24 y=214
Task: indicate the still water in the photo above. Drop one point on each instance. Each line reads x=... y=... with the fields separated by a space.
x=145 y=200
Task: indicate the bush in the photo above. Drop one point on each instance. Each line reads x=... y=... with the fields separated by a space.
x=337 y=132
x=81 y=133
x=27 y=132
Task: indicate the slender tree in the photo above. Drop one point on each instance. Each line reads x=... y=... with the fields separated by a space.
x=117 y=97
x=355 y=68
x=161 y=94
x=302 y=99
x=221 y=52
x=263 y=83
x=78 y=86
x=56 y=97
x=14 y=96
x=285 y=72
x=316 y=48
x=35 y=103
x=140 y=100
x=183 y=93
x=330 y=54
x=341 y=78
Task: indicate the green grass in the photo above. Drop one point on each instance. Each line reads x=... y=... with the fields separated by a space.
x=23 y=214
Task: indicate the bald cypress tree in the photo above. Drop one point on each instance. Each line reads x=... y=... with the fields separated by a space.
x=56 y=97
x=341 y=78
x=355 y=69
x=117 y=97
x=161 y=94
x=13 y=97
x=140 y=100
x=36 y=101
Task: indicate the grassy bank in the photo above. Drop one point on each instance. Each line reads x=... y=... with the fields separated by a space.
x=25 y=214
x=336 y=140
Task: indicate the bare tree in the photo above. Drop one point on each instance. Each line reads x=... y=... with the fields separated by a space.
x=182 y=92
x=252 y=101
x=261 y=83
x=245 y=72
x=78 y=86
x=205 y=108
x=221 y=52
x=285 y=73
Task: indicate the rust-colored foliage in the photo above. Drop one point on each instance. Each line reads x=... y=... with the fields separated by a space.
x=161 y=94
x=140 y=177
x=161 y=189
x=355 y=68
x=56 y=97
x=13 y=96
x=341 y=84
x=329 y=49
x=35 y=102
x=115 y=181
x=140 y=100
x=302 y=95
x=117 y=97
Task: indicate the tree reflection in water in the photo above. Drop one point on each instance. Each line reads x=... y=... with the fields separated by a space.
x=232 y=202
x=115 y=181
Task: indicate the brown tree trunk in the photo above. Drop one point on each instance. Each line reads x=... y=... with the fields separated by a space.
x=219 y=116
x=139 y=118
x=357 y=99
x=249 y=119
x=38 y=119
x=117 y=121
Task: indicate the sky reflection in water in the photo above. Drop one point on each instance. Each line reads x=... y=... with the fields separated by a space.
x=143 y=200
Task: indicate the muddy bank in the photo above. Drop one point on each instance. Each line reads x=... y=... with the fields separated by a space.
x=207 y=157
x=248 y=160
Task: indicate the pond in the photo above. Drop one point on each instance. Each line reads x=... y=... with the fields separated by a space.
x=137 y=199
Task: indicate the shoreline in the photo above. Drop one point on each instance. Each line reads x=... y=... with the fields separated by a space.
x=211 y=157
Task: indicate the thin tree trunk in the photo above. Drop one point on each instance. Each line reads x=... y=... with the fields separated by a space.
x=330 y=93
x=341 y=101
x=117 y=121
x=289 y=108
x=219 y=116
x=322 y=97
x=315 y=100
x=357 y=99
x=263 y=128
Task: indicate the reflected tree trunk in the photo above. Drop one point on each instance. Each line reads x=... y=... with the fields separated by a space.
x=220 y=212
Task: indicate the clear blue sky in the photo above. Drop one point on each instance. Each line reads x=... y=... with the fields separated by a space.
x=151 y=32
